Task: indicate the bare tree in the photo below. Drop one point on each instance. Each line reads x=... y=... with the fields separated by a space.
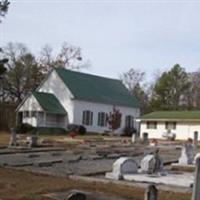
x=23 y=74
x=46 y=59
x=133 y=80
x=69 y=57
x=193 y=95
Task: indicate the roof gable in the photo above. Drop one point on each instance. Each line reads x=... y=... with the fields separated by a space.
x=97 y=89
x=49 y=103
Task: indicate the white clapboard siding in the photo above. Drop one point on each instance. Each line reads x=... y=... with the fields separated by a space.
x=53 y=120
x=184 y=130
x=55 y=85
x=80 y=106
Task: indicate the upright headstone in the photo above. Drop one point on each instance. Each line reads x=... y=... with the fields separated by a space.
x=195 y=158
x=13 y=138
x=196 y=185
x=134 y=138
x=152 y=163
x=145 y=138
x=195 y=139
x=147 y=164
x=183 y=159
x=187 y=154
x=32 y=141
x=158 y=167
x=151 y=193
x=122 y=166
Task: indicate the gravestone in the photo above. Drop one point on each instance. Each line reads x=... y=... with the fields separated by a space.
x=147 y=164
x=152 y=163
x=32 y=141
x=134 y=138
x=77 y=195
x=195 y=139
x=187 y=154
x=13 y=138
x=151 y=193
x=158 y=162
x=195 y=158
x=196 y=185
x=123 y=166
x=145 y=138
x=183 y=158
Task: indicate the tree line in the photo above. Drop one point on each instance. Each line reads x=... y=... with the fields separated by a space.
x=174 y=89
x=24 y=71
x=21 y=72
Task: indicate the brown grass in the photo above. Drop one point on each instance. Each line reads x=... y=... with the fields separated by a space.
x=4 y=138
x=24 y=185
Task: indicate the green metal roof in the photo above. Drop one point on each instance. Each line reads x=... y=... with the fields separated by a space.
x=49 y=103
x=97 y=89
x=172 y=115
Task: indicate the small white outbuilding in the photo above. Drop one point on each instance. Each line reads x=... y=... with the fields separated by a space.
x=181 y=123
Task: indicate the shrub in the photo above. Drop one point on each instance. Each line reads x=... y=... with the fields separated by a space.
x=82 y=130
x=24 y=128
x=114 y=119
x=129 y=132
x=78 y=129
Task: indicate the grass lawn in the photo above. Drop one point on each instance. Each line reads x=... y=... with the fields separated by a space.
x=24 y=185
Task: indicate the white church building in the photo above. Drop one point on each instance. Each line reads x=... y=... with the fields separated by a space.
x=68 y=97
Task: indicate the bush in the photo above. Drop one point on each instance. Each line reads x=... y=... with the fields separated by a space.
x=49 y=131
x=78 y=129
x=82 y=130
x=129 y=132
x=24 y=128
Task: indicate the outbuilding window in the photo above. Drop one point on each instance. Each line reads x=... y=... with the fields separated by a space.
x=151 y=125
x=129 y=121
x=170 y=125
x=87 y=117
x=102 y=119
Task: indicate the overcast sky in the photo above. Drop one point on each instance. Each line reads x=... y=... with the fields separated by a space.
x=114 y=35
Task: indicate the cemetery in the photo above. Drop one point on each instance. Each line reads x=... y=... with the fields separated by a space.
x=99 y=100
x=137 y=163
